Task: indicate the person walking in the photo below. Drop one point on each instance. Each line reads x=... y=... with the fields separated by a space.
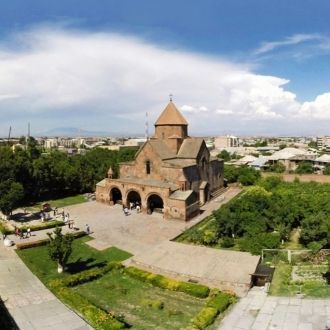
x=88 y=230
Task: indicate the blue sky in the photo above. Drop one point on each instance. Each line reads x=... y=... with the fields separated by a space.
x=256 y=67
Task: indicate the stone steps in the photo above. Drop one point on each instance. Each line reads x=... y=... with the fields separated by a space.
x=219 y=192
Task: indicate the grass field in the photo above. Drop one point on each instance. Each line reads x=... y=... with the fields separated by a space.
x=83 y=257
x=143 y=305
x=61 y=202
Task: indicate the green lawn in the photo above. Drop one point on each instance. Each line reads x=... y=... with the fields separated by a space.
x=125 y=295
x=82 y=258
x=61 y=202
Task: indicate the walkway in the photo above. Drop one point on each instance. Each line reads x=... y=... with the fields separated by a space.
x=257 y=311
x=29 y=302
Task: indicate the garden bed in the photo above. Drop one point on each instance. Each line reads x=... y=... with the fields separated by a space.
x=110 y=296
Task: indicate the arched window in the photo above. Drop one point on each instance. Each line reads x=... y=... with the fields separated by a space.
x=148 y=168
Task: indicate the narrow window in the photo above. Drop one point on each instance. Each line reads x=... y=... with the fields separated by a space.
x=148 y=167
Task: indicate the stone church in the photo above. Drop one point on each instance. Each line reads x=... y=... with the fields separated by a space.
x=172 y=172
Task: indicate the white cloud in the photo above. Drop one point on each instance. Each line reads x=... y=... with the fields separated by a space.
x=317 y=109
x=8 y=96
x=288 y=41
x=106 y=81
x=191 y=109
x=224 y=112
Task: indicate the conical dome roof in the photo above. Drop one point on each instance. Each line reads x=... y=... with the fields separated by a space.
x=171 y=116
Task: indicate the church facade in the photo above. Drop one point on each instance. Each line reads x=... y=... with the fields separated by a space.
x=172 y=172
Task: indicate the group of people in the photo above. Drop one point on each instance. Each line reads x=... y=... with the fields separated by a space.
x=132 y=205
x=21 y=233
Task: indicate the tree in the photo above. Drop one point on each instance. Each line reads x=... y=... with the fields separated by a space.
x=316 y=228
x=11 y=193
x=225 y=155
x=304 y=168
x=277 y=168
x=313 y=144
x=60 y=248
x=327 y=170
x=248 y=175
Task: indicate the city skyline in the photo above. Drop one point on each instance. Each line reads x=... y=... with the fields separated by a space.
x=252 y=69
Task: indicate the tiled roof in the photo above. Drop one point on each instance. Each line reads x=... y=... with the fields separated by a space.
x=181 y=195
x=161 y=148
x=190 y=148
x=171 y=116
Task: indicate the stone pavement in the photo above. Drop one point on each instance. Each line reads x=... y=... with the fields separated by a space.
x=257 y=311
x=29 y=302
x=138 y=232
x=225 y=269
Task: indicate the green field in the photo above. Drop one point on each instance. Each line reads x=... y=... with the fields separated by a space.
x=61 y=202
x=125 y=295
x=83 y=257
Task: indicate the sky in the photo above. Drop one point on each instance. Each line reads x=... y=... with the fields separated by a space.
x=233 y=66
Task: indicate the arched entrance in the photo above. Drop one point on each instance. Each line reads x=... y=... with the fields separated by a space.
x=115 y=196
x=133 y=197
x=155 y=203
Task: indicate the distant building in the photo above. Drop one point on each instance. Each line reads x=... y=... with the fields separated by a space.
x=323 y=142
x=227 y=141
x=291 y=157
x=172 y=172
x=321 y=162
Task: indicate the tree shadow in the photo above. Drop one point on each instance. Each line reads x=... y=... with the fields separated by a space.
x=326 y=276
x=84 y=264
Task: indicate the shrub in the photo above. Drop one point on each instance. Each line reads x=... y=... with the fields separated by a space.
x=41 y=242
x=28 y=245
x=209 y=237
x=89 y=275
x=5 y=230
x=217 y=303
x=227 y=242
x=97 y=317
x=154 y=304
x=196 y=290
x=220 y=301
x=46 y=225
x=205 y=317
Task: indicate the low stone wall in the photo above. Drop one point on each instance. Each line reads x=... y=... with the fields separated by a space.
x=303 y=177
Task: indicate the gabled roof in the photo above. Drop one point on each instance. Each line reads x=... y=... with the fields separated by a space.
x=190 y=148
x=324 y=158
x=171 y=116
x=162 y=149
x=181 y=195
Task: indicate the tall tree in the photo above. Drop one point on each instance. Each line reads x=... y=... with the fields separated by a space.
x=60 y=248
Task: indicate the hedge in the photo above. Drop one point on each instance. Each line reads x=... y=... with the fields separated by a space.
x=96 y=316
x=217 y=303
x=51 y=224
x=5 y=230
x=220 y=301
x=205 y=317
x=41 y=242
x=196 y=290
x=90 y=275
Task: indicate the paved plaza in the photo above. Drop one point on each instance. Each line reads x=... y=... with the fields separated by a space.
x=257 y=311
